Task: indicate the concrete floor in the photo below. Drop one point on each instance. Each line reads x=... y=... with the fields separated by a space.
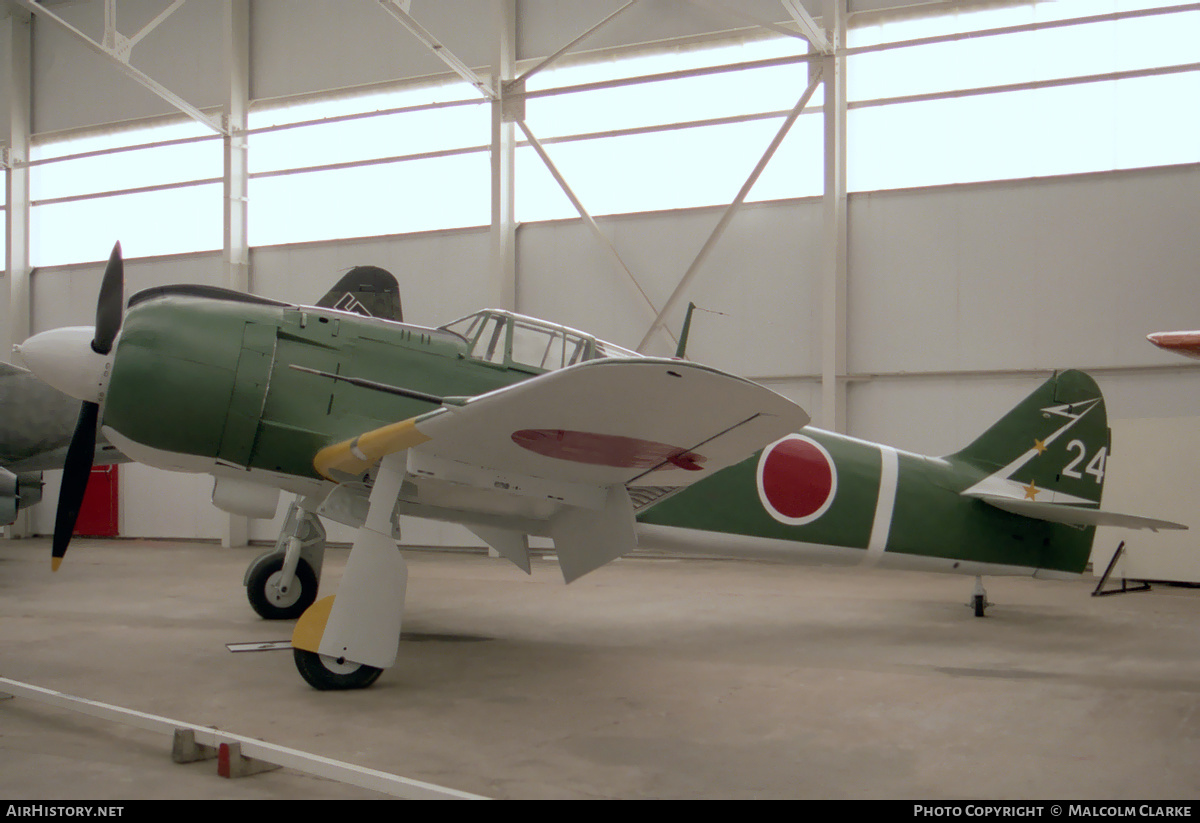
x=649 y=678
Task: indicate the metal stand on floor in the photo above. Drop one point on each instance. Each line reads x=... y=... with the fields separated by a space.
x=1125 y=587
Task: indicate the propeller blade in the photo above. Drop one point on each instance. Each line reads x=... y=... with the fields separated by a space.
x=76 y=471
x=110 y=307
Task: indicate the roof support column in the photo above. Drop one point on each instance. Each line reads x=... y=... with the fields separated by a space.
x=507 y=108
x=834 y=267
x=236 y=33
x=236 y=36
x=16 y=156
x=18 y=74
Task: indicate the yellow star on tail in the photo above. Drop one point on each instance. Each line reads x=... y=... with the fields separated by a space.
x=1031 y=491
x=1039 y=446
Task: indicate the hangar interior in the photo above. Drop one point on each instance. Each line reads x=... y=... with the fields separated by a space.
x=901 y=215
x=987 y=191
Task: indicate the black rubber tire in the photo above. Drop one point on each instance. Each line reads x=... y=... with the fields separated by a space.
x=979 y=602
x=261 y=602
x=313 y=669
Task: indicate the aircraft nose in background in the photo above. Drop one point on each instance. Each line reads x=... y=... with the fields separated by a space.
x=64 y=358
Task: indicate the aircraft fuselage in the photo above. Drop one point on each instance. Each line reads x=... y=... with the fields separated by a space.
x=214 y=380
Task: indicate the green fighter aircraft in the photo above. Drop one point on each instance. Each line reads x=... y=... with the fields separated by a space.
x=516 y=427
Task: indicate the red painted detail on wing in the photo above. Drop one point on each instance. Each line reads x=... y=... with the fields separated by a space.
x=686 y=461
x=797 y=478
x=606 y=449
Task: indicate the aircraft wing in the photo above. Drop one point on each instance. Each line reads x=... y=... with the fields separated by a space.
x=1074 y=515
x=573 y=453
x=628 y=421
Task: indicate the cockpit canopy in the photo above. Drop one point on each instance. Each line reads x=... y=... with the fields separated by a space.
x=516 y=341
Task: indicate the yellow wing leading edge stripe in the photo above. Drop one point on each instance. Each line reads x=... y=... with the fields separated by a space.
x=355 y=456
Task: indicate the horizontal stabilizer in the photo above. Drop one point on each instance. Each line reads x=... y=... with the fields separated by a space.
x=1074 y=515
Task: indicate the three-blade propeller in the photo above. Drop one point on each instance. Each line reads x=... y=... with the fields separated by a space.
x=110 y=309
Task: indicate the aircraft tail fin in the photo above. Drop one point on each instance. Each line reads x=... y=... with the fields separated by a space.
x=367 y=290
x=1046 y=459
x=1052 y=447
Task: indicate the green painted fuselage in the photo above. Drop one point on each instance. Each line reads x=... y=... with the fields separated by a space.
x=931 y=525
x=214 y=378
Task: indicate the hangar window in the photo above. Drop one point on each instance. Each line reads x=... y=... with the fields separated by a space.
x=384 y=163
x=87 y=192
x=1051 y=88
x=1040 y=88
x=690 y=136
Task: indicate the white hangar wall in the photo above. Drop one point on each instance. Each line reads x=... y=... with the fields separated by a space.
x=961 y=298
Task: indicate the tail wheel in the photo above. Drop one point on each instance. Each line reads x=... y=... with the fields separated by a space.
x=264 y=595
x=333 y=674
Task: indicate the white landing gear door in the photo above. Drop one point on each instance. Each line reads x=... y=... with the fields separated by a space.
x=364 y=623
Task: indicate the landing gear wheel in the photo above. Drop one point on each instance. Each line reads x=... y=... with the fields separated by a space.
x=979 y=603
x=271 y=604
x=332 y=673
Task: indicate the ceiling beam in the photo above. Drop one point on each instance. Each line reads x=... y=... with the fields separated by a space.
x=119 y=57
x=808 y=28
x=399 y=10
x=530 y=72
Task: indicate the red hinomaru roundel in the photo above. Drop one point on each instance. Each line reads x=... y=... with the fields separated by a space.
x=797 y=480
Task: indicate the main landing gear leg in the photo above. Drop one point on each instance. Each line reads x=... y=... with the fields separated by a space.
x=282 y=583
x=345 y=642
x=979 y=601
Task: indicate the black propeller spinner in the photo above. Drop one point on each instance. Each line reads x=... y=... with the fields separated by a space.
x=77 y=469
